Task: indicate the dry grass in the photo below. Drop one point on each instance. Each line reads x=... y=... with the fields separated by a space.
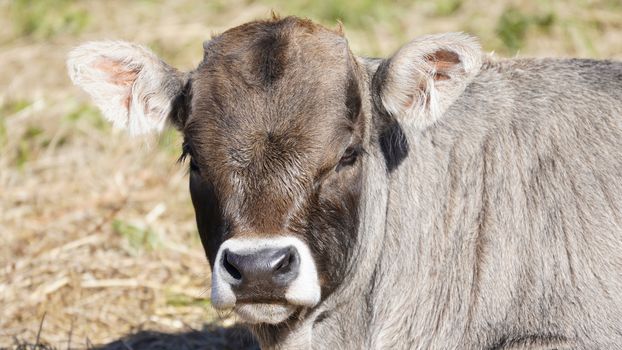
x=96 y=230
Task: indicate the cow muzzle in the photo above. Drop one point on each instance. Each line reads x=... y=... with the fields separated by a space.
x=265 y=280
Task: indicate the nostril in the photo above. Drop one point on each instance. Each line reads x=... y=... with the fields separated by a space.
x=287 y=262
x=283 y=262
x=250 y=269
x=229 y=264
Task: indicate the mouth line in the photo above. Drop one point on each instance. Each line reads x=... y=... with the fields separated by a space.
x=265 y=313
x=258 y=301
x=261 y=304
x=262 y=300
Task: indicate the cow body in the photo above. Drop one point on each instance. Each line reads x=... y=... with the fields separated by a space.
x=502 y=226
x=488 y=198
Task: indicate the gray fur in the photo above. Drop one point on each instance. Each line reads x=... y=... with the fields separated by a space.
x=504 y=223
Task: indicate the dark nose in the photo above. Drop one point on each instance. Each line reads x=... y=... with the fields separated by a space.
x=262 y=270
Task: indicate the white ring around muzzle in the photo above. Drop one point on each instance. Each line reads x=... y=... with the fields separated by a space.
x=303 y=291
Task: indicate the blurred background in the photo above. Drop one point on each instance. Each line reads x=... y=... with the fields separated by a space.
x=97 y=232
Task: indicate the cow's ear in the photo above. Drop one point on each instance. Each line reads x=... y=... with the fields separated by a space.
x=423 y=78
x=134 y=89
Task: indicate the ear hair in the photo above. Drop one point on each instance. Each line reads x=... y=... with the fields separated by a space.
x=427 y=75
x=133 y=88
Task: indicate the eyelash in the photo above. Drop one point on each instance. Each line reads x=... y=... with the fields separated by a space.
x=349 y=157
x=186 y=151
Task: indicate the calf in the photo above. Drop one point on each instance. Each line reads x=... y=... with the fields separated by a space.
x=437 y=199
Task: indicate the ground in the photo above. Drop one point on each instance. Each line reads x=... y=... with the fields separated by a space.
x=98 y=245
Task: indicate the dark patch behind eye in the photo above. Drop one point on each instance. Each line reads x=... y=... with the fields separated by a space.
x=393 y=142
x=394 y=145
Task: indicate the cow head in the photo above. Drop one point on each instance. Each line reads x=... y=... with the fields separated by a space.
x=278 y=121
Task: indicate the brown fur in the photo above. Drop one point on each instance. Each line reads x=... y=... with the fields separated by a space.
x=273 y=157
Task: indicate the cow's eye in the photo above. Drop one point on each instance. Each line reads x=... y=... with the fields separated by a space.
x=349 y=156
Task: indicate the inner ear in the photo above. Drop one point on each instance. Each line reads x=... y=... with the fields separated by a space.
x=442 y=62
x=120 y=75
x=427 y=75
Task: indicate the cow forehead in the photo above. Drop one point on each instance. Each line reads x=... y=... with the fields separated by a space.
x=287 y=66
x=272 y=73
x=268 y=112
x=275 y=83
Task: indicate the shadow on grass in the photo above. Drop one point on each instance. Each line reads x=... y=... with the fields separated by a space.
x=210 y=337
